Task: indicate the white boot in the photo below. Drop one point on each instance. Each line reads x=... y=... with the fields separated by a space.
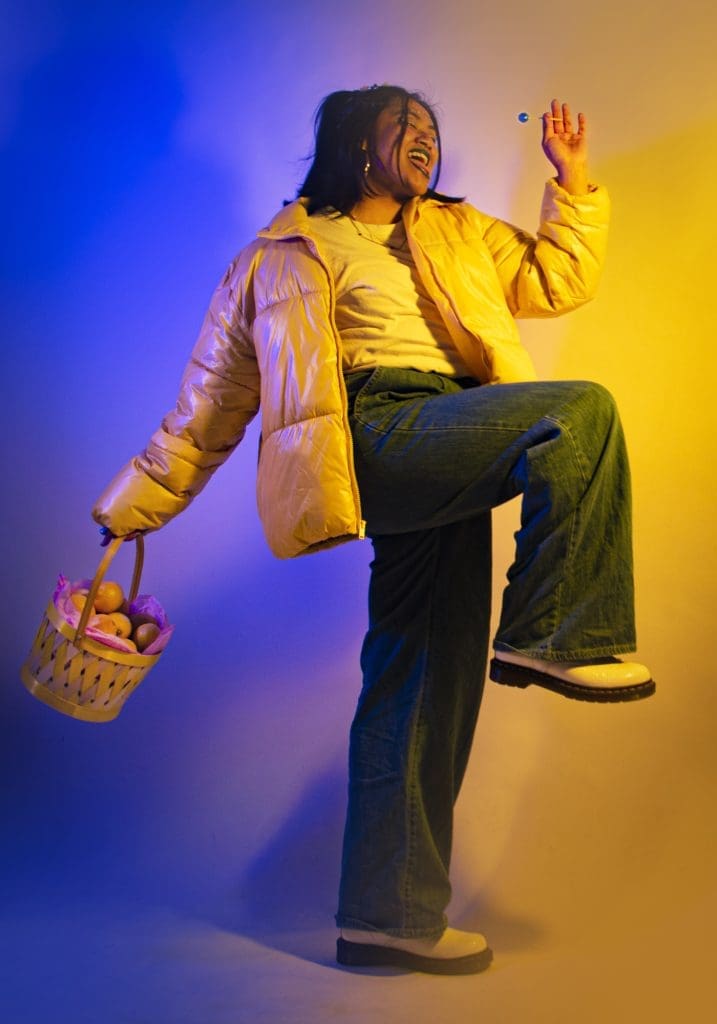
x=597 y=679
x=454 y=952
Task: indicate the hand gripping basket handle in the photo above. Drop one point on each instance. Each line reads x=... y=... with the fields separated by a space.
x=112 y=549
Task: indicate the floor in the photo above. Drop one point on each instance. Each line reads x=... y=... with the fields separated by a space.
x=143 y=965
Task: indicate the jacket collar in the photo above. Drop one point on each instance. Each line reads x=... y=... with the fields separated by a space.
x=293 y=221
x=290 y=221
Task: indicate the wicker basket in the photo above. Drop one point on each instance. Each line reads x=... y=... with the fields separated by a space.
x=78 y=675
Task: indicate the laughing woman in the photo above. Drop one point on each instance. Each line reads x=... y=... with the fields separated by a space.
x=373 y=324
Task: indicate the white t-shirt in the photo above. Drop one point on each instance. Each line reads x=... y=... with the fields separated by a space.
x=384 y=315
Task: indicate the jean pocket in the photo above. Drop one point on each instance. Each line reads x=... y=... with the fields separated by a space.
x=360 y=385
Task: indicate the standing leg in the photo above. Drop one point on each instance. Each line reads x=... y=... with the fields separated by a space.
x=423 y=662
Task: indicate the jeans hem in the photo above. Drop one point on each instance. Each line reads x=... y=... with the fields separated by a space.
x=342 y=921
x=578 y=654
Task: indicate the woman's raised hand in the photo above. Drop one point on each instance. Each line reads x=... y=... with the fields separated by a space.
x=566 y=148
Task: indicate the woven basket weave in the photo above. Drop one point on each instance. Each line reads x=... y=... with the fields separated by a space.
x=78 y=675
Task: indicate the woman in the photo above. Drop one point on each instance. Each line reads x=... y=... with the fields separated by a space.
x=373 y=323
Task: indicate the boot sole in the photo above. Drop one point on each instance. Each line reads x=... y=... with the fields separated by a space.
x=518 y=675
x=355 y=954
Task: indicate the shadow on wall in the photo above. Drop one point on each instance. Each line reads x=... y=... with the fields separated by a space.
x=216 y=751
x=291 y=884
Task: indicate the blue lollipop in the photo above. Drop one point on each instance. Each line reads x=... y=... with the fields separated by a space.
x=524 y=117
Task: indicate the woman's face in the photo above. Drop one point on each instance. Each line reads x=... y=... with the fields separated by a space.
x=403 y=168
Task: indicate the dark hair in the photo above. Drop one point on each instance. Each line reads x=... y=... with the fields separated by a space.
x=345 y=123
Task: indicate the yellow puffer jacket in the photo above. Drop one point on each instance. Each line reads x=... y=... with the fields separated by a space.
x=269 y=340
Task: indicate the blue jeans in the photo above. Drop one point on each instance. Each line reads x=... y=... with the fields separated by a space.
x=433 y=457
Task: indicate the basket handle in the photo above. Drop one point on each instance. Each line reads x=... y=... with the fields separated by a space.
x=110 y=552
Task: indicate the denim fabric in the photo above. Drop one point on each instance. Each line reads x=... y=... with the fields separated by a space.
x=433 y=456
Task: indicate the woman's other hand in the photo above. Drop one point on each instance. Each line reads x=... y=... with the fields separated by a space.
x=566 y=148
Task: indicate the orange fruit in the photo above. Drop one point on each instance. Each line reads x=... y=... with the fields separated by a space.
x=106 y=624
x=124 y=626
x=109 y=597
x=115 y=624
x=79 y=599
x=145 y=634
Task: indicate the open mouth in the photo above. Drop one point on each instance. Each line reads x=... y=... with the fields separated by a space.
x=421 y=159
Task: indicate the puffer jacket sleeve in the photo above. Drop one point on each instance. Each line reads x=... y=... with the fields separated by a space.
x=559 y=269
x=218 y=397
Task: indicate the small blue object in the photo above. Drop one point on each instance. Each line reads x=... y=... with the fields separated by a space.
x=523 y=117
x=104 y=530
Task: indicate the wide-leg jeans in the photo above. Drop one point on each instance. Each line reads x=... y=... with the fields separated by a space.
x=433 y=456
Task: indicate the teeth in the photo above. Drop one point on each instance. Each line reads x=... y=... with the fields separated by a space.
x=419 y=154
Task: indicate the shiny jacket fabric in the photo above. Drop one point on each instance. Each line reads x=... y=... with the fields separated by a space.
x=269 y=341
